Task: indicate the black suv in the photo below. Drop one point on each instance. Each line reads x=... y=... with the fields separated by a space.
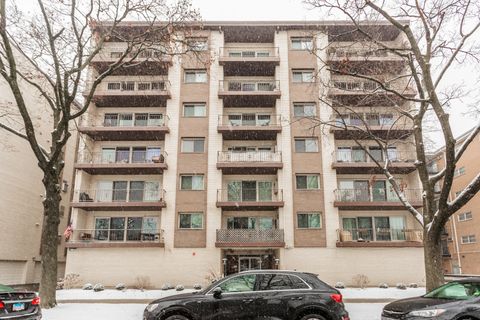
x=260 y=294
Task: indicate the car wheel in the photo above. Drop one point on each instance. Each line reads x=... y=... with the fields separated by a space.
x=177 y=317
x=312 y=317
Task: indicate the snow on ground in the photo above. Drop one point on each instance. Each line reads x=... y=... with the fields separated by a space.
x=102 y=311
x=111 y=294
x=377 y=293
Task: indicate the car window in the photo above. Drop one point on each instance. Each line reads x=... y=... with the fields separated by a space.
x=297 y=283
x=243 y=283
x=275 y=282
x=455 y=290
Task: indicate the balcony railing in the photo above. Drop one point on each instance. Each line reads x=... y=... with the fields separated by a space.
x=132 y=87
x=260 y=120
x=116 y=235
x=387 y=120
x=249 y=156
x=379 y=234
x=249 y=236
x=123 y=157
x=357 y=85
x=118 y=195
x=376 y=195
x=127 y=121
x=356 y=156
x=250 y=85
x=250 y=195
x=360 y=53
x=111 y=53
x=249 y=52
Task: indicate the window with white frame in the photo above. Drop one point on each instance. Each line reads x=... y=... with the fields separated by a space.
x=302 y=75
x=465 y=216
x=307 y=181
x=195 y=76
x=192 y=110
x=193 y=144
x=309 y=220
x=302 y=43
x=306 y=145
x=469 y=239
x=307 y=109
x=191 y=182
x=190 y=220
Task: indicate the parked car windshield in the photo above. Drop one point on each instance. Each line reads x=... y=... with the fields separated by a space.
x=456 y=291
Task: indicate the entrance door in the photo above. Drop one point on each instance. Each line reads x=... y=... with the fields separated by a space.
x=249 y=263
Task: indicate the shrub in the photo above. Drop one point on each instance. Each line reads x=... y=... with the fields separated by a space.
x=98 y=287
x=401 y=286
x=87 y=286
x=383 y=286
x=142 y=283
x=361 y=281
x=71 y=280
x=340 y=285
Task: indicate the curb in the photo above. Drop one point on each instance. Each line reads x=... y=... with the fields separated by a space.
x=145 y=301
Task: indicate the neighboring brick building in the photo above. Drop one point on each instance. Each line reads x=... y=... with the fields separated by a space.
x=195 y=168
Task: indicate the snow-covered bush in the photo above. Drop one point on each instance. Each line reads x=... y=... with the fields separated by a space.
x=413 y=285
x=87 y=286
x=383 y=286
x=120 y=286
x=166 y=286
x=401 y=286
x=361 y=280
x=197 y=286
x=98 y=287
x=179 y=287
x=340 y=285
x=71 y=280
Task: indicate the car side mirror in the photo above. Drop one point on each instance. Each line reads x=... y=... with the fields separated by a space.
x=217 y=293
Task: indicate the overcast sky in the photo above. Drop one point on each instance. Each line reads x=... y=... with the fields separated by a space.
x=245 y=10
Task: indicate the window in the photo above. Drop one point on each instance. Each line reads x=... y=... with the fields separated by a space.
x=465 y=216
x=375 y=228
x=195 y=76
x=307 y=182
x=197 y=44
x=110 y=120
x=193 y=110
x=459 y=171
x=274 y=282
x=191 y=182
x=242 y=283
x=303 y=75
x=309 y=220
x=191 y=220
x=299 y=43
x=137 y=229
x=304 y=109
x=306 y=145
x=128 y=86
x=468 y=239
x=456 y=291
x=193 y=144
x=113 y=86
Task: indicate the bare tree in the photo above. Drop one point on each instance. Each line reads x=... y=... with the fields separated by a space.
x=58 y=42
x=429 y=39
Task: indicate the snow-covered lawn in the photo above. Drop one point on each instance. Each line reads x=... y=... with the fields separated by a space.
x=111 y=294
x=377 y=293
x=101 y=311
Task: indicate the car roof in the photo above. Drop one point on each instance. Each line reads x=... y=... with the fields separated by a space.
x=466 y=280
x=275 y=271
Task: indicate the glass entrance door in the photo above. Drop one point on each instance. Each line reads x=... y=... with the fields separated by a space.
x=249 y=263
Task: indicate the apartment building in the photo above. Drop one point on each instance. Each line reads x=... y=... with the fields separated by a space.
x=461 y=249
x=22 y=192
x=187 y=169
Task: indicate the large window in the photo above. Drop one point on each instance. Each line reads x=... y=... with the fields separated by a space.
x=303 y=75
x=309 y=220
x=304 y=109
x=192 y=110
x=469 y=239
x=308 y=181
x=191 y=220
x=465 y=216
x=191 y=182
x=195 y=76
x=250 y=191
x=306 y=145
x=126 y=229
x=193 y=144
x=262 y=223
x=302 y=43
x=375 y=228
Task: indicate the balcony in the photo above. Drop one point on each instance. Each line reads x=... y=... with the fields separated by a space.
x=147 y=62
x=131 y=93
x=367 y=93
x=365 y=61
x=250 y=238
x=250 y=199
x=249 y=162
x=116 y=238
x=119 y=200
x=375 y=199
x=123 y=162
x=249 y=61
x=387 y=125
x=249 y=93
x=380 y=238
x=138 y=127
x=356 y=161
x=249 y=126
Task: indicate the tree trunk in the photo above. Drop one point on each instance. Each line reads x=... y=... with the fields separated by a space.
x=433 y=262
x=49 y=243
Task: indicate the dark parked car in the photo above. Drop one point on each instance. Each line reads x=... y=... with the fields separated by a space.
x=260 y=294
x=19 y=305
x=457 y=300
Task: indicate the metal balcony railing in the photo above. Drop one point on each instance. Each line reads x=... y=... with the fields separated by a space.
x=384 y=120
x=131 y=87
x=357 y=85
x=118 y=195
x=127 y=120
x=360 y=53
x=116 y=235
x=249 y=120
x=250 y=195
x=121 y=157
x=113 y=53
x=379 y=234
x=250 y=85
x=376 y=195
x=359 y=155
x=249 y=52
x=246 y=236
x=249 y=156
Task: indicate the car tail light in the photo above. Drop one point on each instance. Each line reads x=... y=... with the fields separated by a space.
x=36 y=301
x=2 y=305
x=345 y=318
x=337 y=297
